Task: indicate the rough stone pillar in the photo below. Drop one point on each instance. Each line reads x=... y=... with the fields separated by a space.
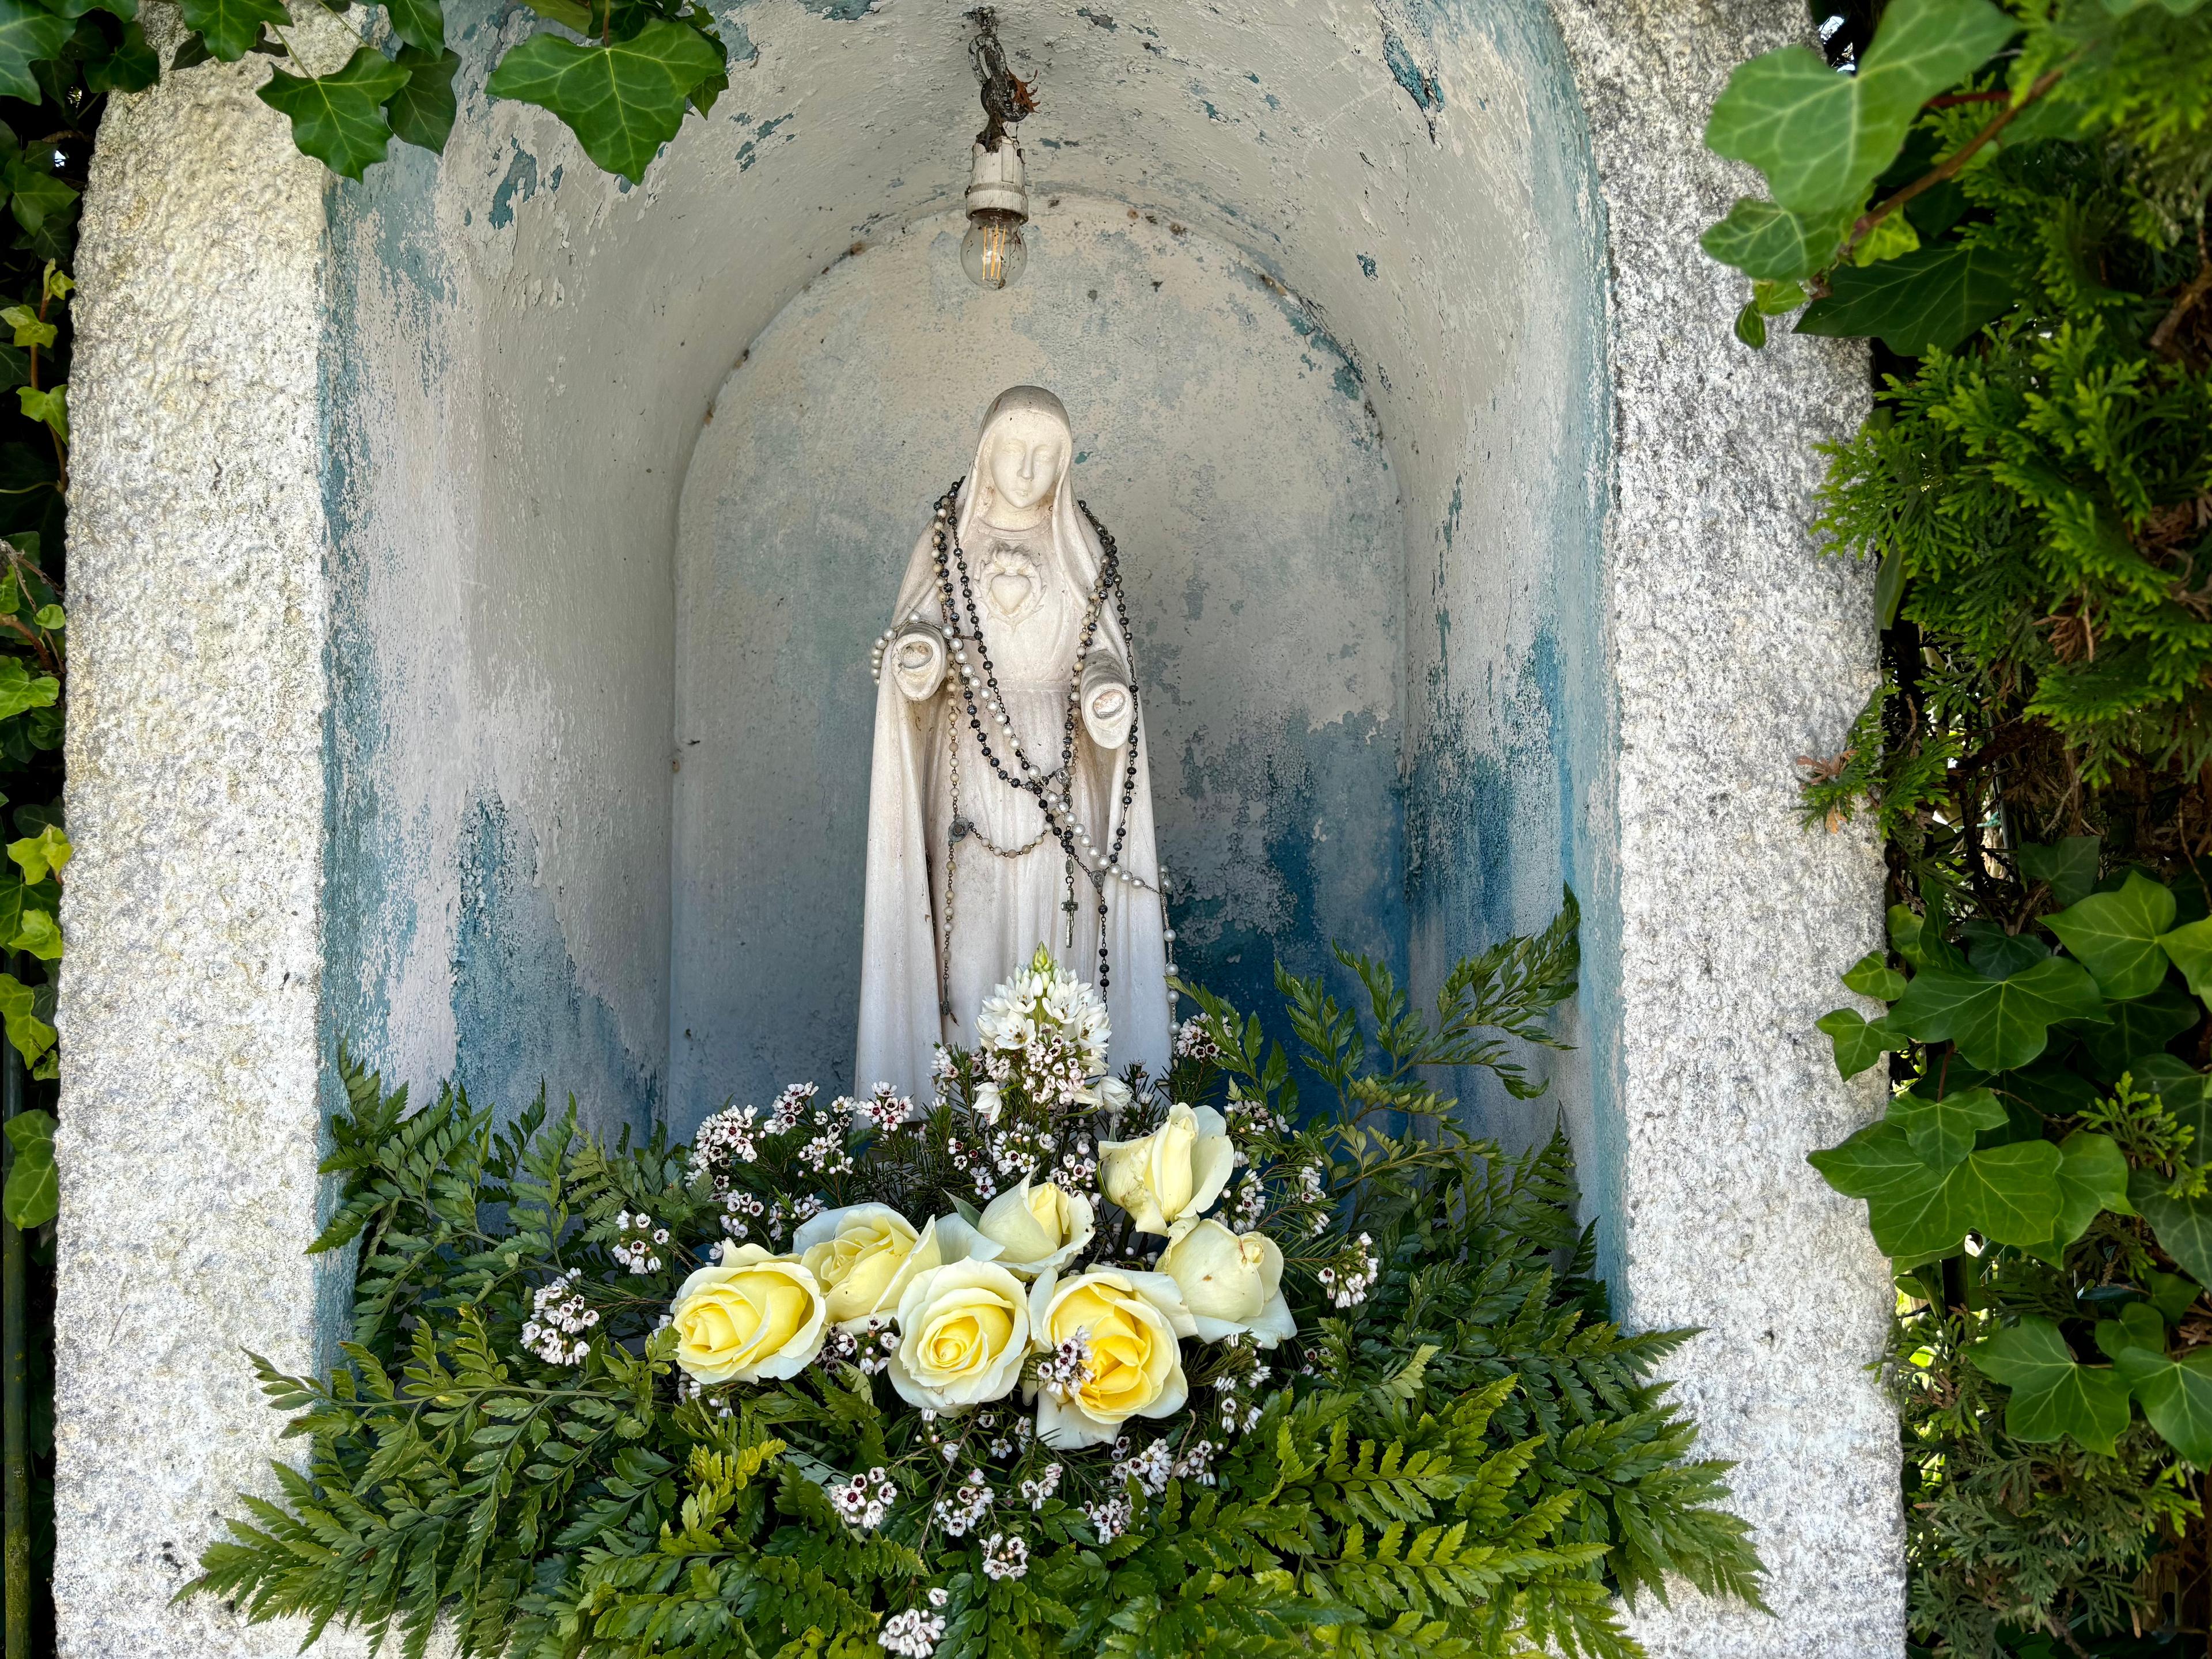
x=1735 y=648
x=189 y=1108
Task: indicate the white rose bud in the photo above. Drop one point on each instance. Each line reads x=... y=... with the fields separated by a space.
x=963 y=1334
x=1231 y=1282
x=1039 y=1229
x=1173 y=1173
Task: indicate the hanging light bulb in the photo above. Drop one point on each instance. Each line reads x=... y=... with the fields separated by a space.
x=991 y=252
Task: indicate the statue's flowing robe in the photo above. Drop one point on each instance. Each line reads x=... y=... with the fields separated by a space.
x=914 y=991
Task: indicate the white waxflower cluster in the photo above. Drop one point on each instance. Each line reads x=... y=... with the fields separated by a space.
x=1194 y=1041
x=825 y=1154
x=783 y=1216
x=913 y=1634
x=1352 y=1274
x=1196 y=1464
x=558 y=1319
x=731 y=1136
x=1078 y=1170
x=1037 y=1492
x=962 y=1511
x=975 y=1163
x=868 y=1347
x=1004 y=1556
x=789 y=1107
x=1109 y=1519
x=884 y=1110
x=1251 y=1202
x=639 y=1247
x=1255 y=1116
x=1065 y=1371
x=1313 y=1190
x=1150 y=1468
x=739 y=1211
x=864 y=1500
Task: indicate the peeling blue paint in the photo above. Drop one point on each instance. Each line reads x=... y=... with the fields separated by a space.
x=749 y=152
x=1421 y=86
x=1098 y=19
x=1367 y=266
x=743 y=54
x=521 y=179
x=841 y=11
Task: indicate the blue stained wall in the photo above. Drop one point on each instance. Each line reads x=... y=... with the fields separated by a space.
x=623 y=477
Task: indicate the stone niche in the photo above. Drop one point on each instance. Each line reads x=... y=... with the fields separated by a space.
x=474 y=571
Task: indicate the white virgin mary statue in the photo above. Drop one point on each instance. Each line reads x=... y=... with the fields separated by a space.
x=1008 y=805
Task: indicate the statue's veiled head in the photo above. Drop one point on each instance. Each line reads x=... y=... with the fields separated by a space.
x=1022 y=456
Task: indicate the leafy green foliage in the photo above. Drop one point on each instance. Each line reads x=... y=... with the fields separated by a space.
x=623 y=99
x=33 y=1195
x=338 y=119
x=1471 y=1460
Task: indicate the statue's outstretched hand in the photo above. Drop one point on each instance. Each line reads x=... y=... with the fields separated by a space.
x=917 y=662
x=1108 y=708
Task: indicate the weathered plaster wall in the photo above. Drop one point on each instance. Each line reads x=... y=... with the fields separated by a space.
x=1226 y=442
x=1409 y=188
x=473 y=388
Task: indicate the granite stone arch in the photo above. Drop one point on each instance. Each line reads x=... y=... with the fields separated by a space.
x=401 y=620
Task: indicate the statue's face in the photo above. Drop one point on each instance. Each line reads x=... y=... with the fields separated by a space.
x=1026 y=456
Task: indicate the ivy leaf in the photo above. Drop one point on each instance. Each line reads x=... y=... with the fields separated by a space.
x=133 y=66
x=1942 y=1131
x=1871 y=975
x=1821 y=138
x=423 y=111
x=1772 y=245
x=28 y=34
x=420 y=23
x=32 y=1036
x=1918 y=1209
x=20 y=689
x=1891 y=237
x=2068 y=867
x=1859 y=1042
x=2092 y=1178
x=2173 y=1294
x=33 y=1196
x=1906 y=929
x=2053 y=1395
x=34 y=855
x=2139 y=1027
x=1920 y=303
x=338 y=119
x=2183 y=1225
x=228 y=28
x=36 y=195
x=1997 y=954
x=1750 y=327
x=30 y=329
x=1999 y=1024
x=2116 y=935
x=39 y=934
x=2176 y=1394
x=623 y=100
x=2190 y=949
x=50 y=408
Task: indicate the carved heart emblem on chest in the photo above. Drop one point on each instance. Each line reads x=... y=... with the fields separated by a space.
x=1010 y=591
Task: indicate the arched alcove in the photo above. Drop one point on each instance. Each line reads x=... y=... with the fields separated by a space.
x=391 y=631
x=1284 y=248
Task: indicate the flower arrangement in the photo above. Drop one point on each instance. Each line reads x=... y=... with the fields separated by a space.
x=1058 y=1363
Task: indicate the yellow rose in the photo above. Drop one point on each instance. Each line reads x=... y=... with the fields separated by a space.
x=963 y=1334
x=1231 y=1282
x=1173 y=1173
x=755 y=1318
x=1128 y=1323
x=855 y=1255
x=1037 y=1229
